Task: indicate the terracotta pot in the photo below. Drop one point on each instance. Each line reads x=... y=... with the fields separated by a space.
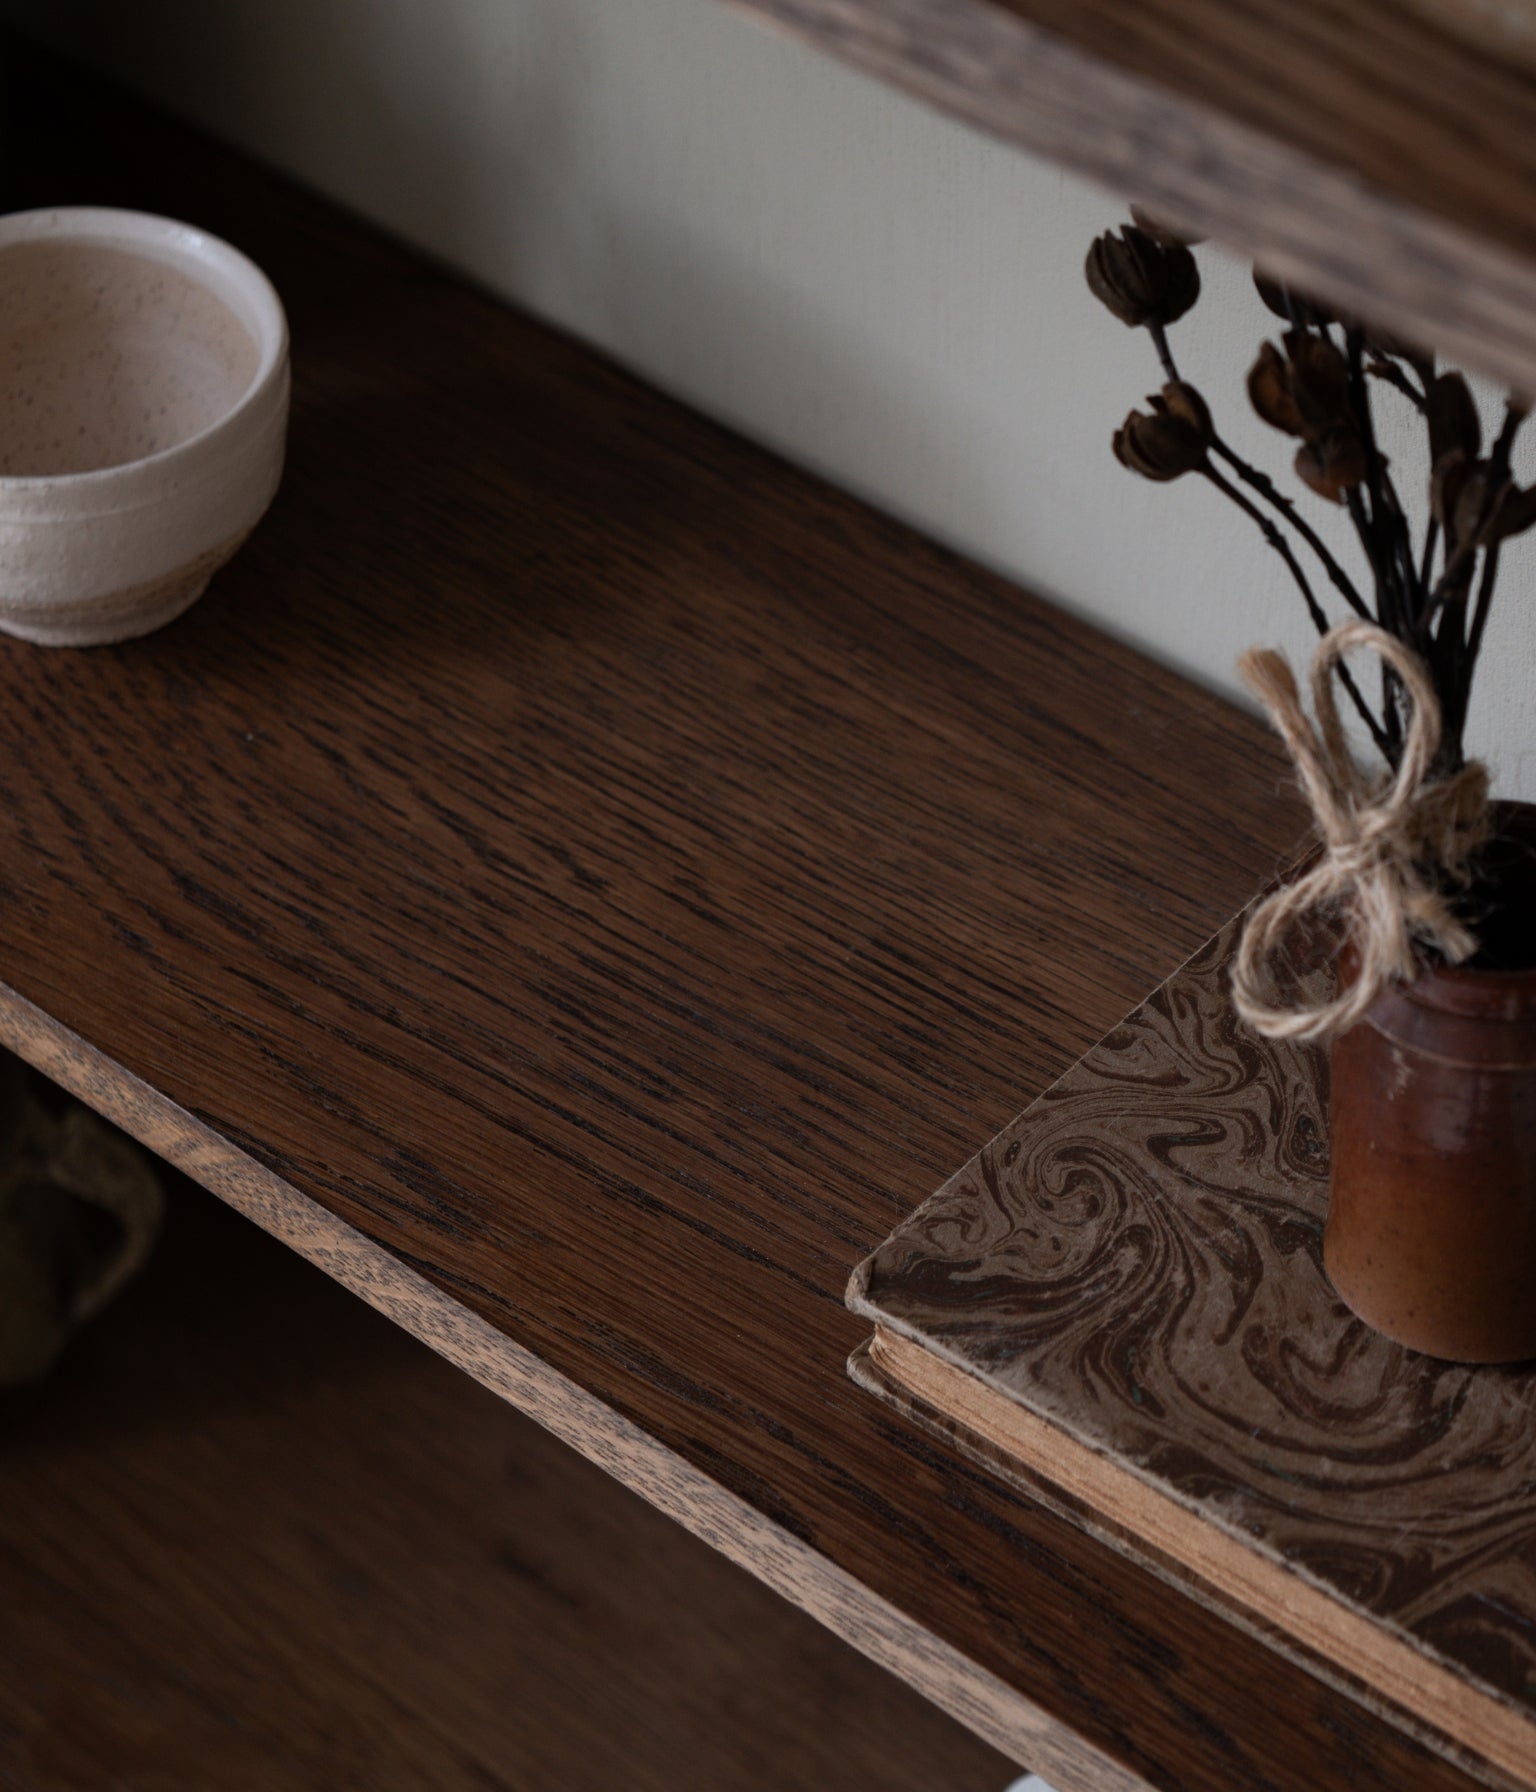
x=1431 y=1233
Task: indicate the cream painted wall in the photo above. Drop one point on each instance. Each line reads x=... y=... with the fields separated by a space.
x=882 y=294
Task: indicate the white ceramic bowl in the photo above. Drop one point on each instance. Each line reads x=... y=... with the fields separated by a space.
x=143 y=413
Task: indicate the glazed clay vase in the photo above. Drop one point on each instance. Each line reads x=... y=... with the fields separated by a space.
x=1431 y=1233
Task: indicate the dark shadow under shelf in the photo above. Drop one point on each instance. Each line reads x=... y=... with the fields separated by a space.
x=256 y=1537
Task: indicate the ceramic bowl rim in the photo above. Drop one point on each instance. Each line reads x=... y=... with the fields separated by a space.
x=228 y=274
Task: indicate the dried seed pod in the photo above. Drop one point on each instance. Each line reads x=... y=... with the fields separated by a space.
x=1319 y=377
x=1182 y=283
x=1123 y=276
x=1295 y=307
x=1332 y=464
x=1453 y=418
x=1139 y=280
x=1446 y=479
x=1473 y=503
x=1479 y=504
x=1514 y=514
x=1164 y=444
x=1386 y=345
x=1182 y=400
x=1269 y=391
x=1305 y=391
x=1171 y=236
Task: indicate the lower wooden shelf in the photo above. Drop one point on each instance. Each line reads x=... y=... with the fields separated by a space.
x=257 y=1537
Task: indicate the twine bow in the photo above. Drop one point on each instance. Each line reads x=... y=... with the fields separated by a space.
x=1390 y=845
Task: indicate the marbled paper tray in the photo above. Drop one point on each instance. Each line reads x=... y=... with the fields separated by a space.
x=1121 y=1302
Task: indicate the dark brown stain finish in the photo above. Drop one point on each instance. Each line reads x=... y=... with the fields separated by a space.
x=259 y=1540
x=581 y=881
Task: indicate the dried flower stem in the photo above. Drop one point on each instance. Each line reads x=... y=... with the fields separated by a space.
x=1479 y=623
x=1453 y=673
x=1466 y=647
x=1159 y=337
x=1391 y=713
x=1366 y=530
x=1427 y=563
x=1260 y=482
x=1316 y=386
x=1454 y=578
x=1514 y=415
x=1267 y=489
x=1389 y=527
x=1383 y=532
x=1319 y=617
x=1459 y=639
x=1393 y=375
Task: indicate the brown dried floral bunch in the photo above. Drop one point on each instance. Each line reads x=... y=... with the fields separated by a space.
x=1316 y=384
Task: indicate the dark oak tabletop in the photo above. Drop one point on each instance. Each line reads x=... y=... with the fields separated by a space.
x=581 y=882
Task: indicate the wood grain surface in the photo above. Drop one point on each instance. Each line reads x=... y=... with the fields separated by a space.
x=1505 y=28
x=257 y=1539
x=582 y=881
x=1125 y=1291
x=1360 y=150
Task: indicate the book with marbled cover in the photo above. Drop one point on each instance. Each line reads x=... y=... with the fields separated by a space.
x=1120 y=1303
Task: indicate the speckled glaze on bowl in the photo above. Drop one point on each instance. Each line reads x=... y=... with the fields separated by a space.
x=143 y=415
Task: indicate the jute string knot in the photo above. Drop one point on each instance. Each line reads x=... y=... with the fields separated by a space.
x=1392 y=845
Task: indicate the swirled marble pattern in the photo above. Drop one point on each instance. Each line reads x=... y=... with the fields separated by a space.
x=1137 y=1259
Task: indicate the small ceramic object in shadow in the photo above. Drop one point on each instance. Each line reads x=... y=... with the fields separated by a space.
x=143 y=416
x=80 y=1206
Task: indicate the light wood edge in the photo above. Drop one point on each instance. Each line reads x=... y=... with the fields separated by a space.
x=1311 y=224
x=995 y=1461
x=971 y=1694
x=1415 y=1693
